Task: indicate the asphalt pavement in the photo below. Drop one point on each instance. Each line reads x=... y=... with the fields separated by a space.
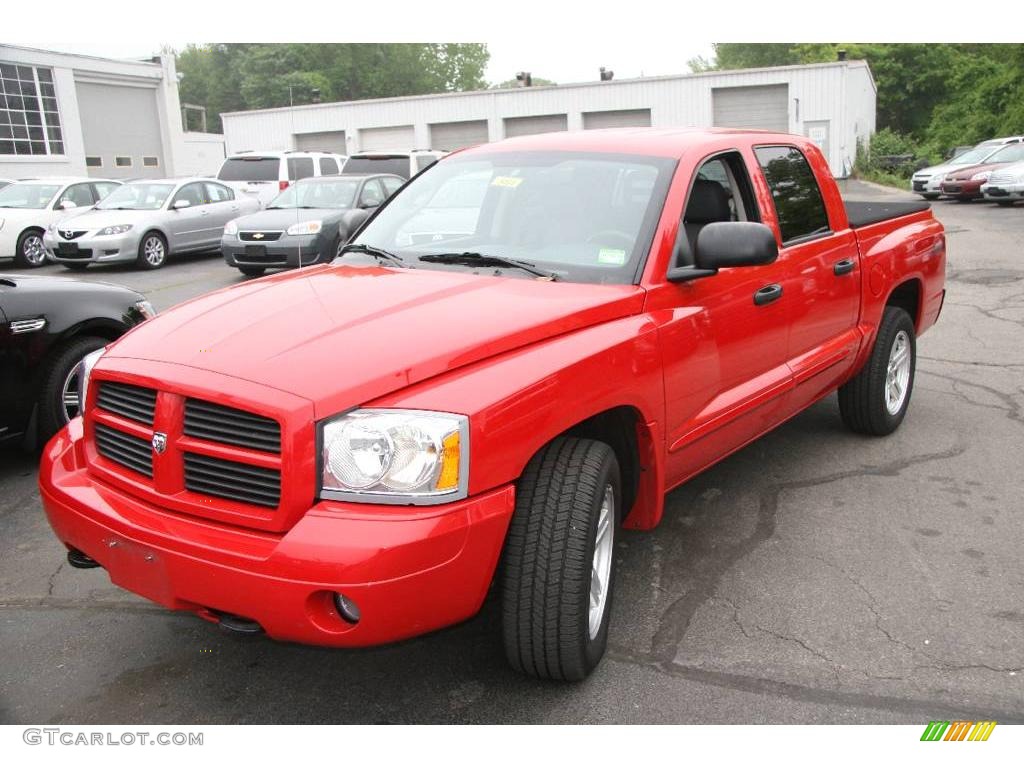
x=816 y=576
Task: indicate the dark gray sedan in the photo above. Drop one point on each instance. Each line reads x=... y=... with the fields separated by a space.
x=306 y=224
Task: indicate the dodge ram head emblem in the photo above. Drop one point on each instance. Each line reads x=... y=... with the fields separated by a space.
x=159 y=442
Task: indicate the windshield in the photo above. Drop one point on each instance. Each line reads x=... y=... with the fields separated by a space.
x=320 y=194
x=137 y=197
x=396 y=164
x=27 y=195
x=975 y=156
x=250 y=169
x=586 y=217
x=1011 y=153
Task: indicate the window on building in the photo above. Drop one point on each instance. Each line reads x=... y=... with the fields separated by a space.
x=93 y=161
x=798 y=203
x=123 y=161
x=29 y=119
x=151 y=162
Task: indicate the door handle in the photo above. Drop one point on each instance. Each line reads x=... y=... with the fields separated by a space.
x=768 y=294
x=844 y=267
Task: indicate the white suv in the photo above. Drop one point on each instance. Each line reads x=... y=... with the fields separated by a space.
x=405 y=163
x=264 y=175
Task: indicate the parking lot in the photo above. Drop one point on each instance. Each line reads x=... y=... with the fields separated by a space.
x=814 y=577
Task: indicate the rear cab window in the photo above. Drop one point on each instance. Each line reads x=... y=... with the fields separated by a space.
x=799 y=205
x=253 y=168
x=328 y=167
x=396 y=164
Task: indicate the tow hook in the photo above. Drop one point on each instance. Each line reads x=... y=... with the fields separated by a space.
x=81 y=560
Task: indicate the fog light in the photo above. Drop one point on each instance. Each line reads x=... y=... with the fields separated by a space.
x=347 y=608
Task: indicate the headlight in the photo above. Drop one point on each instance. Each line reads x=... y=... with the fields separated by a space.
x=305 y=228
x=120 y=229
x=84 y=370
x=145 y=309
x=981 y=176
x=51 y=227
x=231 y=228
x=938 y=177
x=395 y=457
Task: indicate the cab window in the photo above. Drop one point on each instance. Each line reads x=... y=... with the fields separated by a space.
x=798 y=202
x=79 y=194
x=191 y=192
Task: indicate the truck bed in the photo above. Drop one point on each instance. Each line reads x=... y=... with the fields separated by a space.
x=861 y=213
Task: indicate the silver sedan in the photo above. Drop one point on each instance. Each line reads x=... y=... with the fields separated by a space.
x=146 y=221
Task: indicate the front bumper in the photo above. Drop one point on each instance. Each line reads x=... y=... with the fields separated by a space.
x=90 y=248
x=410 y=570
x=926 y=186
x=962 y=189
x=998 y=192
x=289 y=251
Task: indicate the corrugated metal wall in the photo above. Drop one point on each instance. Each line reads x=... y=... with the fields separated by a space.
x=841 y=93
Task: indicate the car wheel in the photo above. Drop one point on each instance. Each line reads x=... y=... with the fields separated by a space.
x=558 y=567
x=152 y=251
x=74 y=267
x=875 y=401
x=930 y=197
x=1004 y=203
x=252 y=271
x=30 y=250
x=58 y=394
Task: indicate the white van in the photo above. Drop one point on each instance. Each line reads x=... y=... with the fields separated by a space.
x=264 y=175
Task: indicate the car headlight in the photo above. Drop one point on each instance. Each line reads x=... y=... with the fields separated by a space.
x=938 y=177
x=983 y=176
x=145 y=309
x=231 y=228
x=51 y=227
x=305 y=228
x=84 y=370
x=119 y=229
x=387 y=456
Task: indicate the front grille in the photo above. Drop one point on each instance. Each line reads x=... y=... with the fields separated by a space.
x=232 y=480
x=264 y=237
x=66 y=251
x=1001 y=178
x=127 y=450
x=950 y=187
x=136 y=403
x=263 y=259
x=221 y=424
x=71 y=235
x=919 y=186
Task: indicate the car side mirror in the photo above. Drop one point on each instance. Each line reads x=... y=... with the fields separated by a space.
x=179 y=204
x=68 y=204
x=368 y=206
x=724 y=244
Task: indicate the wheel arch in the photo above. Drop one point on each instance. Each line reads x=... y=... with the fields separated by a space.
x=907 y=296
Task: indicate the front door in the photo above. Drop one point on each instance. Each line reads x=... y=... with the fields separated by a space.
x=725 y=347
x=187 y=226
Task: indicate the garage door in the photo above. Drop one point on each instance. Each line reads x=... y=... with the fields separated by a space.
x=617 y=118
x=452 y=136
x=393 y=137
x=525 y=126
x=325 y=141
x=758 y=106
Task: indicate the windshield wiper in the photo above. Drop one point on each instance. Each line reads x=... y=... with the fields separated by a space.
x=378 y=253
x=472 y=259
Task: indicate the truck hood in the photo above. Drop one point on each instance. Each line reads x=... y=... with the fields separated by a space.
x=341 y=336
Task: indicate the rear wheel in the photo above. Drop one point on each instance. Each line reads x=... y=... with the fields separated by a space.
x=558 y=567
x=1004 y=203
x=875 y=401
x=30 y=251
x=252 y=271
x=152 y=251
x=930 y=196
x=58 y=395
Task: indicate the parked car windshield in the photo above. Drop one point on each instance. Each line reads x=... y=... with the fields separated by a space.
x=140 y=196
x=27 y=195
x=974 y=156
x=586 y=217
x=1011 y=153
x=340 y=193
x=250 y=169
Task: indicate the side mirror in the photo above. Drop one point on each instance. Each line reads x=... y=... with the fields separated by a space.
x=179 y=204
x=728 y=244
x=68 y=204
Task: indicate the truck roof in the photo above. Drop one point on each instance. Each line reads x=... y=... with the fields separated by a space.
x=666 y=142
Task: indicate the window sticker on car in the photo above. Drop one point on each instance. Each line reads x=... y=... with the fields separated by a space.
x=615 y=256
x=506 y=181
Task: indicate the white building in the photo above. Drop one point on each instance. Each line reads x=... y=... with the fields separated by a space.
x=834 y=104
x=70 y=115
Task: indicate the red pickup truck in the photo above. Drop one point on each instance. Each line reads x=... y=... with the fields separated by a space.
x=522 y=351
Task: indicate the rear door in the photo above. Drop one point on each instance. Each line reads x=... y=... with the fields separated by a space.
x=823 y=287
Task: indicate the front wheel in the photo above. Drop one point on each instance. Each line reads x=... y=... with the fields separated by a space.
x=1004 y=203
x=558 y=568
x=58 y=394
x=30 y=250
x=252 y=271
x=875 y=401
x=930 y=196
x=152 y=251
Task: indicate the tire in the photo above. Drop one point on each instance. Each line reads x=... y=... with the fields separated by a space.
x=30 y=251
x=930 y=196
x=1004 y=203
x=252 y=271
x=152 y=251
x=866 y=403
x=74 y=267
x=549 y=628
x=59 y=379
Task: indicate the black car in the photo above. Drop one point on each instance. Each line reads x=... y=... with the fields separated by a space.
x=47 y=325
x=306 y=224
